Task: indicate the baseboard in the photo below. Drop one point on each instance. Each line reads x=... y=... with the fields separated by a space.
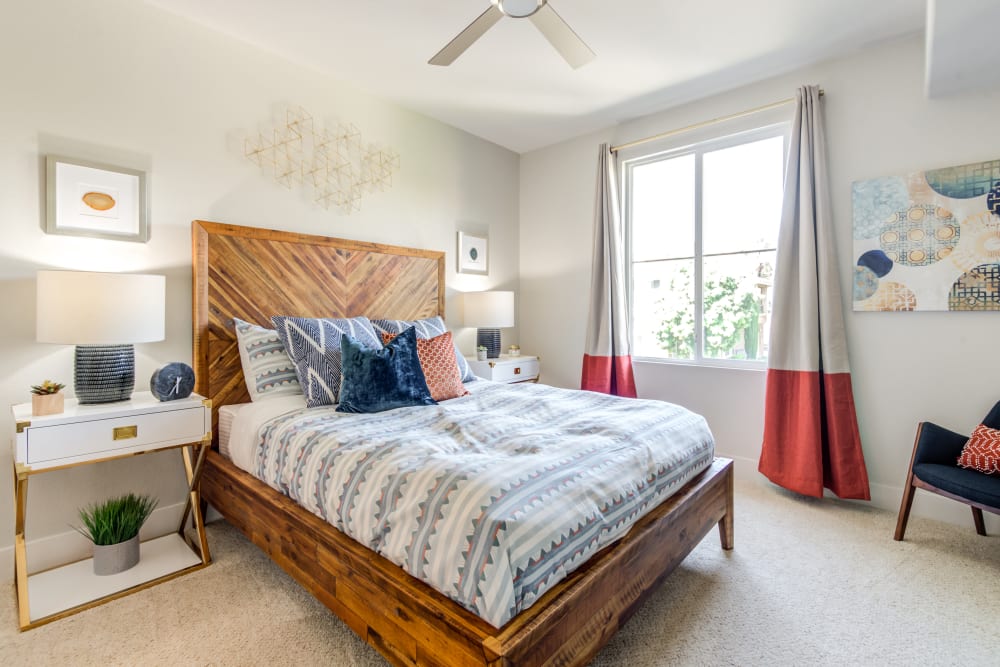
x=887 y=497
x=53 y=550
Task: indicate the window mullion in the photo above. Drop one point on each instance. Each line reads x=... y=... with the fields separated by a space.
x=699 y=329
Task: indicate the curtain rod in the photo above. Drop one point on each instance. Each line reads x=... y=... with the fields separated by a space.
x=706 y=123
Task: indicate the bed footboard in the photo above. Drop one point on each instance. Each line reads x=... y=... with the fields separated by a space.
x=412 y=624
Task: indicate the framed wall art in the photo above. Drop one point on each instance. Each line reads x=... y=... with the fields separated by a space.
x=929 y=240
x=85 y=198
x=473 y=254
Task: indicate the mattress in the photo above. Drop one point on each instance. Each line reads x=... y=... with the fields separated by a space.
x=491 y=498
x=227 y=413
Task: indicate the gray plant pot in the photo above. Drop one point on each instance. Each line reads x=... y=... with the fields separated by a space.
x=115 y=558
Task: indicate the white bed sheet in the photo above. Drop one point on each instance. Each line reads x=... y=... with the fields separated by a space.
x=247 y=419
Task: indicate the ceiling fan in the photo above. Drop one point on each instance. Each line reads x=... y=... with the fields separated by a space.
x=540 y=12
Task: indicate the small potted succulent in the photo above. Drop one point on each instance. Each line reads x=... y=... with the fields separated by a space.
x=481 y=353
x=47 y=398
x=113 y=526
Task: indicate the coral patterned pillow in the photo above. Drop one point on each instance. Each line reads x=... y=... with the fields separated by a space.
x=437 y=359
x=982 y=451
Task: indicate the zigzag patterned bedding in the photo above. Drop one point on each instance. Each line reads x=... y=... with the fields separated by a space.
x=491 y=498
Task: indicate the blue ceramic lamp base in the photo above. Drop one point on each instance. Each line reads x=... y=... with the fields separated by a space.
x=104 y=373
x=490 y=338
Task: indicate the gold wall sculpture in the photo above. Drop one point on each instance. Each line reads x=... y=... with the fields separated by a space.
x=334 y=165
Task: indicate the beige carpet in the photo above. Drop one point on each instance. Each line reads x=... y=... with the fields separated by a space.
x=810 y=583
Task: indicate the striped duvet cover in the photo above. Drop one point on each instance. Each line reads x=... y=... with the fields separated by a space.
x=491 y=498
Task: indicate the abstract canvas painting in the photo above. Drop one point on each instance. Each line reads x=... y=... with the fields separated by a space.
x=929 y=240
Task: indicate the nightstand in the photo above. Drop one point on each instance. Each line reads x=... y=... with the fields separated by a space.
x=506 y=368
x=87 y=434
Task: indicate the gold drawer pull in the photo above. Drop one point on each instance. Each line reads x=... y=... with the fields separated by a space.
x=517 y=371
x=126 y=432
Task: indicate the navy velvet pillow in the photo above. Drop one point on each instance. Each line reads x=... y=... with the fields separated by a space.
x=377 y=380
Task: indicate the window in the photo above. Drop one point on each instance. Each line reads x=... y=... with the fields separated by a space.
x=702 y=228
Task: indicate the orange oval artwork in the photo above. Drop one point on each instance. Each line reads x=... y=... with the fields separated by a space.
x=99 y=201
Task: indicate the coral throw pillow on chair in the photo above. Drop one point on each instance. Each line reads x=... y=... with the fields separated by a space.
x=982 y=451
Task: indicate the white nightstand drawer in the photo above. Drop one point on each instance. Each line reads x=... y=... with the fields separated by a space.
x=515 y=371
x=507 y=369
x=60 y=441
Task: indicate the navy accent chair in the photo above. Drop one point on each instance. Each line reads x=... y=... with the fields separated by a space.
x=934 y=467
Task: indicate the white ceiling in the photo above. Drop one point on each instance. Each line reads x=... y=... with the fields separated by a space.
x=512 y=88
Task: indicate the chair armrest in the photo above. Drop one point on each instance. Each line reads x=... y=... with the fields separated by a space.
x=938 y=445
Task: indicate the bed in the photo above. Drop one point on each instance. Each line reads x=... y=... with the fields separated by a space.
x=252 y=273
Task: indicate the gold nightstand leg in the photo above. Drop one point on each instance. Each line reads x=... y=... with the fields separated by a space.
x=192 y=470
x=20 y=551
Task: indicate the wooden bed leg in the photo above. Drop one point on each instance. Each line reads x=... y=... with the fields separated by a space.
x=726 y=527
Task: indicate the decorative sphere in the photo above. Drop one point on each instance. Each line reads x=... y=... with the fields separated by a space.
x=172 y=381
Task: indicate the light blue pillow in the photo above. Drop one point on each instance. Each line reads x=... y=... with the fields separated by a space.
x=376 y=380
x=314 y=347
x=430 y=327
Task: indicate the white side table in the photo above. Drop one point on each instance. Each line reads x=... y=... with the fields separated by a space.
x=86 y=434
x=506 y=368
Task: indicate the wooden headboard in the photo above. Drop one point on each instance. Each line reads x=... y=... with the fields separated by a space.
x=254 y=273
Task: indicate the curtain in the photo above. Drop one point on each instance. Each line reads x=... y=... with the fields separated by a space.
x=811 y=438
x=607 y=359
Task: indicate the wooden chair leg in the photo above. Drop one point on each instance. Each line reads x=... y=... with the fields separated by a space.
x=904 y=508
x=977 y=516
x=908 y=490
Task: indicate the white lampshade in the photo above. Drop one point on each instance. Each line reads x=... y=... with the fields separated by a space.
x=87 y=308
x=489 y=310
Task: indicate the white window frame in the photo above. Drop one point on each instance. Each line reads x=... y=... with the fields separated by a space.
x=697 y=149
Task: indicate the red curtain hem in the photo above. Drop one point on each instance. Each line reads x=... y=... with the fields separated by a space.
x=608 y=375
x=811 y=437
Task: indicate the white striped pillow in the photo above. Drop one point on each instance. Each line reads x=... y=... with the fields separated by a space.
x=267 y=368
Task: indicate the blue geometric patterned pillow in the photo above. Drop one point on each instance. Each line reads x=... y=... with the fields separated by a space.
x=314 y=347
x=432 y=327
x=267 y=369
x=386 y=379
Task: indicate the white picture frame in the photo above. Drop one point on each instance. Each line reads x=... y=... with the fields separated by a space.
x=84 y=198
x=473 y=254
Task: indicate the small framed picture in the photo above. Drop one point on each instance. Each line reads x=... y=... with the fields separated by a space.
x=473 y=254
x=90 y=199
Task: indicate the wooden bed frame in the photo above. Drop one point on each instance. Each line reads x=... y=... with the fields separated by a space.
x=253 y=273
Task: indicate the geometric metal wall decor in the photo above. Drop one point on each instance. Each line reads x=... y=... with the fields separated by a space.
x=334 y=165
x=928 y=240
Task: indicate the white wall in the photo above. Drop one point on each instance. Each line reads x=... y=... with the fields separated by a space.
x=121 y=82
x=908 y=367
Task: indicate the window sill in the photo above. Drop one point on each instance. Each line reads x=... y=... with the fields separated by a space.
x=726 y=364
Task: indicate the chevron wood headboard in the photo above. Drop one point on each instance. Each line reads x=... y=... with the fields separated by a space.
x=253 y=273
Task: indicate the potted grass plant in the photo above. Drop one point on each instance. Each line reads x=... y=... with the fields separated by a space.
x=113 y=526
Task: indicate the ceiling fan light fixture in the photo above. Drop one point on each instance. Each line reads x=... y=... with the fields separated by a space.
x=558 y=33
x=519 y=9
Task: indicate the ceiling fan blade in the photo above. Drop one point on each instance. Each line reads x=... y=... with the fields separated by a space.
x=467 y=37
x=561 y=36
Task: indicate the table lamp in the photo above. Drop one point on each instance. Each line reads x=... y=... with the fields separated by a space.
x=103 y=314
x=489 y=312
